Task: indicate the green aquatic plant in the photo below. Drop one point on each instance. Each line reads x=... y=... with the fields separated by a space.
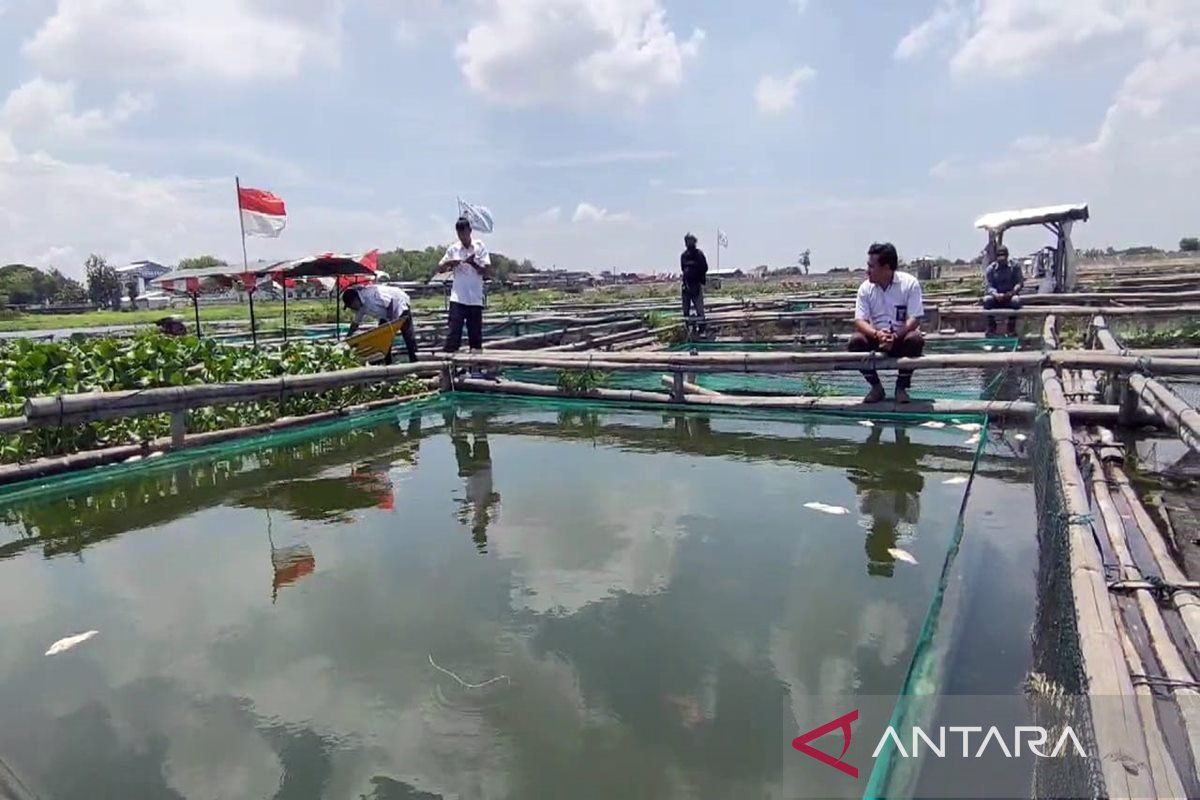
x=816 y=387
x=582 y=381
x=151 y=360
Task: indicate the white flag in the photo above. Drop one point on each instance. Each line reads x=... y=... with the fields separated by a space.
x=722 y=239
x=480 y=217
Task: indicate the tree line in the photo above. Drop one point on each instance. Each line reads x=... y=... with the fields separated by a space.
x=400 y=264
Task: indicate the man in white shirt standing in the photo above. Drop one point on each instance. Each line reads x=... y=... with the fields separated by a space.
x=469 y=261
x=387 y=304
x=887 y=318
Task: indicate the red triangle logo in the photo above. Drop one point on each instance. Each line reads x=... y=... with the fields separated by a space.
x=842 y=723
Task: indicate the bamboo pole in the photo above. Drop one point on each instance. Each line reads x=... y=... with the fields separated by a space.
x=1185 y=602
x=1017 y=409
x=1118 y=727
x=106 y=405
x=47 y=467
x=10 y=425
x=1162 y=767
x=1178 y=415
x=787 y=361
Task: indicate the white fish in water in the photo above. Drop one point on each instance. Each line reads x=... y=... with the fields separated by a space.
x=973 y=440
x=969 y=427
x=815 y=506
x=902 y=555
x=133 y=459
x=1020 y=437
x=933 y=424
x=157 y=454
x=866 y=423
x=987 y=347
x=957 y=480
x=63 y=645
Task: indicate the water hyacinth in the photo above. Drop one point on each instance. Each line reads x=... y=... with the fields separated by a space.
x=151 y=360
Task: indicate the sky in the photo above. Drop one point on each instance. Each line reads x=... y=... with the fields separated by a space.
x=597 y=131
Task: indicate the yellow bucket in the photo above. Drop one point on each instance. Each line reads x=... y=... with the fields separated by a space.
x=376 y=343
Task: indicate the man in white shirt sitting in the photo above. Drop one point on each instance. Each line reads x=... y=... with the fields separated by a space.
x=887 y=318
x=387 y=304
x=469 y=261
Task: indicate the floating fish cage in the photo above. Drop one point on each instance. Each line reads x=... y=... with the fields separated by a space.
x=491 y=597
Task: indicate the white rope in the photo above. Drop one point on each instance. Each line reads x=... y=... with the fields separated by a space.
x=463 y=683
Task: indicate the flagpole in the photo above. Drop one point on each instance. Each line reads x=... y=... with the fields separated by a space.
x=237 y=184
x=718 y=249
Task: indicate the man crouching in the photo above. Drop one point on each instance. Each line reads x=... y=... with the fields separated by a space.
x=887 y=318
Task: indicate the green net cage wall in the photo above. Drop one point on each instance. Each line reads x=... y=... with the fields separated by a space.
x=999 y=383
x=1058 y=675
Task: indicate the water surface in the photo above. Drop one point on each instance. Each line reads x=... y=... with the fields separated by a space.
x=488 y=601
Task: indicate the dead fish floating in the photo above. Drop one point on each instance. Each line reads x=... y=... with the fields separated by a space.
x=63 y=645
x=866 y=423
x=827 y=509
x=973 y=440
x=933 y=424
x=902 y=555
x=969 y=427
x=957 y=480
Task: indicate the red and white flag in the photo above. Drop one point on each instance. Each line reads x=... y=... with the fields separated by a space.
x=263 y=214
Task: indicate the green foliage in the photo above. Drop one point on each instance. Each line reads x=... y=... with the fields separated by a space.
x=1185 y=335
x=581 y=381
x=201 y=262
x=668 y=329
x=420 y=265
x=150 y=360
x=103 y=284
x=25 y=285
x=1189 y=244
x=815 y=387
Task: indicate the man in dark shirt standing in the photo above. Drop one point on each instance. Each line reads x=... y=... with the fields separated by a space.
x=695 y=274
x=1003 y=283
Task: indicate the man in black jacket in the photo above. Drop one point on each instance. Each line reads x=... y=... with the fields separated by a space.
x=695 y=274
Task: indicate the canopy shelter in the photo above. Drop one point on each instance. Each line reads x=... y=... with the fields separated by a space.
x=193 y=282
x=341 y=270
x=1057 y=263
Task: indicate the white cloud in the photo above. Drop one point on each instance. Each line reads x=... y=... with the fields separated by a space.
x=46 y=109
x=775 y=95
x=187 y=39
x=1015 y=37
x=946 y=18
x=55 y=212
x=531 y=52
x=547 y=217
x=588 y=213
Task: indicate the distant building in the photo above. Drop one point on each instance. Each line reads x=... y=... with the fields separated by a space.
x=138 y=274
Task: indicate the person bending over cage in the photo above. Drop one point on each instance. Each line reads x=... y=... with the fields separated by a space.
x=386 y=303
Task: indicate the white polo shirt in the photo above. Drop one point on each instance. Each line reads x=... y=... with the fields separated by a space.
x=468 y=283
x=889 y=309
x=381 y=302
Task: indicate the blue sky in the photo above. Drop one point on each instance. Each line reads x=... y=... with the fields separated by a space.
x=598 y=131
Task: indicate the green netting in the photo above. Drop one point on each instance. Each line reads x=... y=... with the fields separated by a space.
x=114 y=472
x=896 y=777
x=1057 y=656
x=951 y=384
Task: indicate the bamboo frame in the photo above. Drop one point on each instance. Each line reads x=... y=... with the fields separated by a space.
x=1120 y=734
x=48 y=467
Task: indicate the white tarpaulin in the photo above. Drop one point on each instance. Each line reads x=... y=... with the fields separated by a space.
x=1002 y=220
